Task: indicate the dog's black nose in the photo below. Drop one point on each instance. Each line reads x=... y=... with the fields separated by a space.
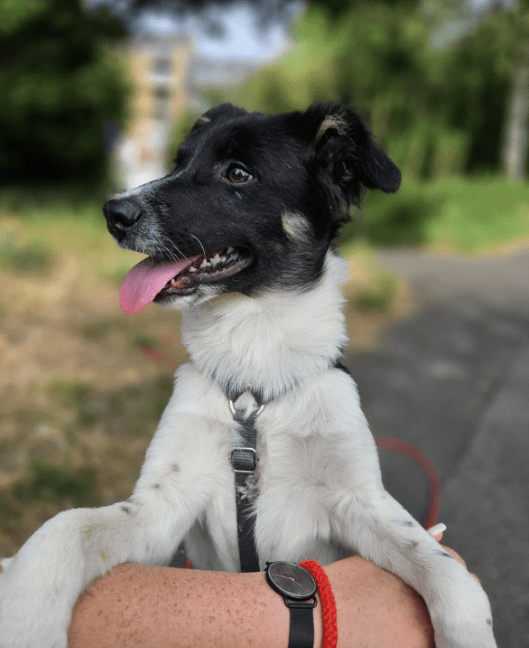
x=121 y=214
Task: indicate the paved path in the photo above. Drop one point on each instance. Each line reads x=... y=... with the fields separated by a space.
x=454 y=379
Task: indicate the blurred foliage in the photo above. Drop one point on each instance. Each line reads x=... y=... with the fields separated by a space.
x=439 y=111
x=61 y=86
x=466 y=214
x=379 y=295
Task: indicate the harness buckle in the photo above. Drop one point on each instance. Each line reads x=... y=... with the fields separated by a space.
x=244 y=460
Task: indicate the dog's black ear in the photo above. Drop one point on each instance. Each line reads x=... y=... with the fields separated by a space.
x=225 y=111
x=347 y=157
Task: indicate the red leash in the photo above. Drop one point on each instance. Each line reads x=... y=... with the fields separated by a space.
x=434 y=483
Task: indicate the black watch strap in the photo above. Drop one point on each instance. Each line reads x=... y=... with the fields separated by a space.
x=298 y=588
x=301 y=624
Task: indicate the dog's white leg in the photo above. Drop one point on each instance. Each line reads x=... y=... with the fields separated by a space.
x=40 y=585
x=382 y=531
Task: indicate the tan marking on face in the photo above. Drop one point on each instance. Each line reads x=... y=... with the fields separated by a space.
x=295 y=226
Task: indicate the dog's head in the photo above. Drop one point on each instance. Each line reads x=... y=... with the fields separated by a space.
x=253 y=204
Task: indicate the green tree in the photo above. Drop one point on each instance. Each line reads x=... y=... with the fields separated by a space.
x=438 y=110
x=488 y=65
x=59 y=86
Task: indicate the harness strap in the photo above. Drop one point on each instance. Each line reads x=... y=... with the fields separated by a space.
x=244 y=463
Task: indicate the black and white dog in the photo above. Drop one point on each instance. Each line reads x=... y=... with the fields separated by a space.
x=240 y=236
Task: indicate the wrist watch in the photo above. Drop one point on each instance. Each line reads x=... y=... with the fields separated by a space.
x=298 y=588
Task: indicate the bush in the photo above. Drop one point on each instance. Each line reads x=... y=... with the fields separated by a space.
x=464 y=214
x=400 y=219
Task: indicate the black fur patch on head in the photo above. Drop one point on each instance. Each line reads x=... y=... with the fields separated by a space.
x=300 y=174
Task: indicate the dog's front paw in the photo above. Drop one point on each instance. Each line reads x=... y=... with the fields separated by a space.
x=30 y=618
x=465 y=626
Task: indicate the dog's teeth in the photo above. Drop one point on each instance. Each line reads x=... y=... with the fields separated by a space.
x=215 y=260
x=173 y=282
x=230 y=250
x=205 y=264
x=193 y=269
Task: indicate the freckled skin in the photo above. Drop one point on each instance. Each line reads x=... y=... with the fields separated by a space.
x=158 y=607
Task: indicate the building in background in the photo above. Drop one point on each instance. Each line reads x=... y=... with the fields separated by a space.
x=176 y=48
x=158 y=70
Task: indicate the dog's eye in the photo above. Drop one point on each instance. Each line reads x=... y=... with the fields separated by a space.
x=237 y=175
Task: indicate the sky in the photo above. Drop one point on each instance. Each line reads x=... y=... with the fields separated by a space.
x=248 y=32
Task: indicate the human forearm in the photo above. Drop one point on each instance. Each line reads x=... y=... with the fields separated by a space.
x=137 y=606
x=376 y=609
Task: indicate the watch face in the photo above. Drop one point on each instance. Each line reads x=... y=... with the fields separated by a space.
x=291 y=580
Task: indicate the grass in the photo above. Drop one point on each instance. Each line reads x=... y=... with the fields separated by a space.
x=97 y=328
x=116 y=274
x=77 y=397
x=479 y=214
x=38 y=203
x=44 y=491
x=46 y=481
x=32 y=258
x=76 y=387
x=465 y=214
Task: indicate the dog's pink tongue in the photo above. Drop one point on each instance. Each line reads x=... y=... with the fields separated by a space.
x=145 y=280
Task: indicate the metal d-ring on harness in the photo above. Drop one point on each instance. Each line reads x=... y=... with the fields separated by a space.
x=244 y=462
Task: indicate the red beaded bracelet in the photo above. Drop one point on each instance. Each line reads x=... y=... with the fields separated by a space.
x=328 y=603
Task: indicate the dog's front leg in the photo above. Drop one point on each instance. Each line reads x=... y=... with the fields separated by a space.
x=382 y=531
x=40 y=585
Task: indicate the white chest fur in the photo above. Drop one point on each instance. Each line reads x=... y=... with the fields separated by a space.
x=273 y=341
